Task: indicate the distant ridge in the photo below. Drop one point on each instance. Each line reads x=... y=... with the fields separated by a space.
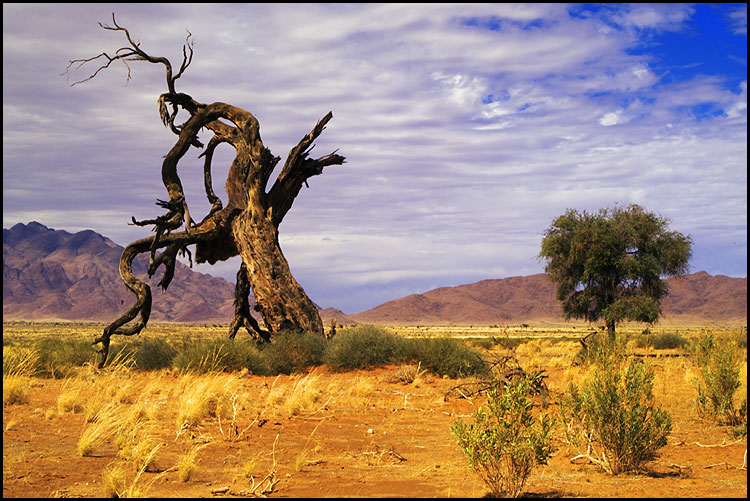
x=54 y=274
x=693 y=299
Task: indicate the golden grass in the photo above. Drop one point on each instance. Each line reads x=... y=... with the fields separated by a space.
x=19 y=361
x=188 y=463
x=206 y=396
x=16 y=390
x=19 y=365
x=305 y=396
x=114 y=480
x=93 y=436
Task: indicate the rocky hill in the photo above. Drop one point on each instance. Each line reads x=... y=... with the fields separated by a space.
x=694 y=299
x=54 y=274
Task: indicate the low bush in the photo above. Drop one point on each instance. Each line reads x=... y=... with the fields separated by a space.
x=58 y=358
x=293 y=352
x=149 y=353
x=505 y=442
x=613 y=421
x=720 y=369
x=662 y=341
x=444 y=357
x=362 y=347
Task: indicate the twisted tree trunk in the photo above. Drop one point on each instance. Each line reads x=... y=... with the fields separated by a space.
x=247 y=226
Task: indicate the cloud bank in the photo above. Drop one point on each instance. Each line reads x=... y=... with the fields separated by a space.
x=467 y=128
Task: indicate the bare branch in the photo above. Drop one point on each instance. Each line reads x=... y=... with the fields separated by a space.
x=134 y=53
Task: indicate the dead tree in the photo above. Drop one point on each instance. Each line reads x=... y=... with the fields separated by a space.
x=247 y=225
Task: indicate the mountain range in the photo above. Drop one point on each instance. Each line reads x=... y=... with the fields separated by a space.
x=53 y=274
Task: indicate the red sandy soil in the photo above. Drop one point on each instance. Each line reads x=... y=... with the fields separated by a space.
x=396 y=442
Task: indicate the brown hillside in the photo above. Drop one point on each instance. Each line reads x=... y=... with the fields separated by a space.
x=696 y=298
x=53 y=274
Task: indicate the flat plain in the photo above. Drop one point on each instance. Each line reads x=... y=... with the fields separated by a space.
x=320 y=433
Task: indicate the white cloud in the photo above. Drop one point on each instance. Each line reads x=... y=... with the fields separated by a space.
x=612 y=118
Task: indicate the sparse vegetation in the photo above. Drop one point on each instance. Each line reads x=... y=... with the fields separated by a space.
x=720 y=369
x=391 y=408
x=361 y=347
x=613 y=420
x=505 y=441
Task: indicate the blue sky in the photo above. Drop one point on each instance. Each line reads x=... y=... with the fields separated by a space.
x=467 y=128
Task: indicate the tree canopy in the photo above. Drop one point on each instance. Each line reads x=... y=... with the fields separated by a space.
x=609 y=265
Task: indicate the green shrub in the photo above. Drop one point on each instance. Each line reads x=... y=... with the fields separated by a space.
x=293 y=352
x=720 y=368
x=484 y=342
x=663 y=341
x=444 y=356
x=362 y=347
x=602 y=351
x=148 y=353
x=613 y=421
x=505 y=442
x=59 y=357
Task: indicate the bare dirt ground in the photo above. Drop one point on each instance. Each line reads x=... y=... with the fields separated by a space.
x=364 y=435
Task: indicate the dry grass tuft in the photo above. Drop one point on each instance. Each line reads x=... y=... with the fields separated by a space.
x=16 y=390
x=304 y=397
x=188 y=463
x=206 y=396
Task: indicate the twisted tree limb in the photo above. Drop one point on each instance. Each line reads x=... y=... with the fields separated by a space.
x=247 y=225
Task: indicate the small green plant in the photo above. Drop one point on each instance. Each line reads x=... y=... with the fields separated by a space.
x=613 y=421
x=506 y=442
x=720 y=379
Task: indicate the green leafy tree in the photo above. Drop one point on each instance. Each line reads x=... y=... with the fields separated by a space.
x=609 y=264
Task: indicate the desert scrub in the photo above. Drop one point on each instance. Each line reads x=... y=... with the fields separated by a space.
x=205 y=396
x=206 y=356
x=361 y=347
x=612 y=420
x=59 y=358
x=293 y=352
x=444 y=357
x=662 y=341
x=19 y=364
x=149 y=353
x=720 y=364
x=505 y=441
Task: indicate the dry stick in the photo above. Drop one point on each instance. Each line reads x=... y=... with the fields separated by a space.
x=722 y=444
x=271 y=476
